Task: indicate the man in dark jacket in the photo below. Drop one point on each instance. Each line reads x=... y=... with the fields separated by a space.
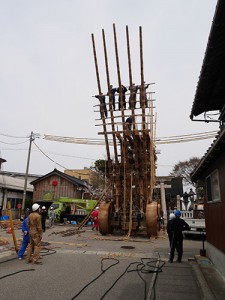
x=177 y=225
x=122 y=100
x=101 y=99
x=111 y=95
x=44 y=215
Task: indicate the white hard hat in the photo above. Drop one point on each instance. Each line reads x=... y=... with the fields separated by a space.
x=35 y=206
x=43 y=207
x=51 y=207
x=97 y=207
x=171 y=216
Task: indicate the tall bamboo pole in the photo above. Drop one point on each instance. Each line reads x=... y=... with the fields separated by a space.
x=144 y=148
x=131 y=207
x=100 y=98
x=110 y=96
x=117 y=181
x=123 y=122
x=133 y=133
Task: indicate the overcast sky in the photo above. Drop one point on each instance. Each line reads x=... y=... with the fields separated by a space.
x=47 y=74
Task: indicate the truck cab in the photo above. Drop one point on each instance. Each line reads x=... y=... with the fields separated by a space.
x=69 y=209
x=58 y=209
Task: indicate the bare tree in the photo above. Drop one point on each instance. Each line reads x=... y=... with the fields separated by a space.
x=185 y=168
x=98 y=177
x=97 y=180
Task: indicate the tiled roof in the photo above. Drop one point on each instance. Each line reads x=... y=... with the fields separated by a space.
x=72 y=179
x=210 y=92
x=14 y=183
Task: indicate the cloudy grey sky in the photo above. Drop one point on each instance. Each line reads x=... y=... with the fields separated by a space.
x=47 y=74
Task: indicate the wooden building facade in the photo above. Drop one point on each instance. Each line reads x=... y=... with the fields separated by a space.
x=210 y=172
x=52 y=186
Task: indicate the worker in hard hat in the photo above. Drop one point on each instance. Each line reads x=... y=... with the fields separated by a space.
x=51 y=216
x=26 y=239
x=44 y=214
x=176 y=227
x=95 y=218
x=168 y=228
x=35 y=227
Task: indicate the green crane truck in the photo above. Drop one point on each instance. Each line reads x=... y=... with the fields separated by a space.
x=70 y=209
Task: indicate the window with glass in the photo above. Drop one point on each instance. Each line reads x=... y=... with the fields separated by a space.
x=14 y=202
x=213 y=186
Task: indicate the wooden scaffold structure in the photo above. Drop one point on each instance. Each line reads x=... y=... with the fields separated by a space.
x=130 y=170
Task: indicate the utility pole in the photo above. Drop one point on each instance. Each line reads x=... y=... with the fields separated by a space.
x=27 y=169
x=163 y=201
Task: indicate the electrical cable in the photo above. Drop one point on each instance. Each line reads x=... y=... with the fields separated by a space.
x=160 y=140
x=49 y=157
x=102 y=272
x=14 y=143
x=52 y=159
x=141 y=267
x=13 y=136
x=43 y=253
x=47 y=252
x=145 y=268
x=54 y=153
x=2 y=262
x=16 y=273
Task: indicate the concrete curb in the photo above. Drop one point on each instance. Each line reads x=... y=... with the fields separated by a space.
x=214 y=280
x=202 y=283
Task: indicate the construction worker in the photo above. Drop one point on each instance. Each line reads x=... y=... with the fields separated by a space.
x=26 y=238
x=44 y=214
x=145 y=99
x=123 y=90
x=171 y=217
x=27 y=212
x=176 y=227
x=192 y=199
x=133 y=93
x=185 y=200
x=51 y=216
x=101 y=98
x=35 y=227
x=112 y=96
x=129 y=123
x=95 y=218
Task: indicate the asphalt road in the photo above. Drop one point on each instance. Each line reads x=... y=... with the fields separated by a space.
x=96 y=266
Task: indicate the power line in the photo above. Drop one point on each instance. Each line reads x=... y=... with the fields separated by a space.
x=13 y=136
x=54 y=153
x=14 y=143
x=100 y=142
x=163 y=140
x=49 y=157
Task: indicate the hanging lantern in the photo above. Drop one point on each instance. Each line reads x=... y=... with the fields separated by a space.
x=54 y=182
